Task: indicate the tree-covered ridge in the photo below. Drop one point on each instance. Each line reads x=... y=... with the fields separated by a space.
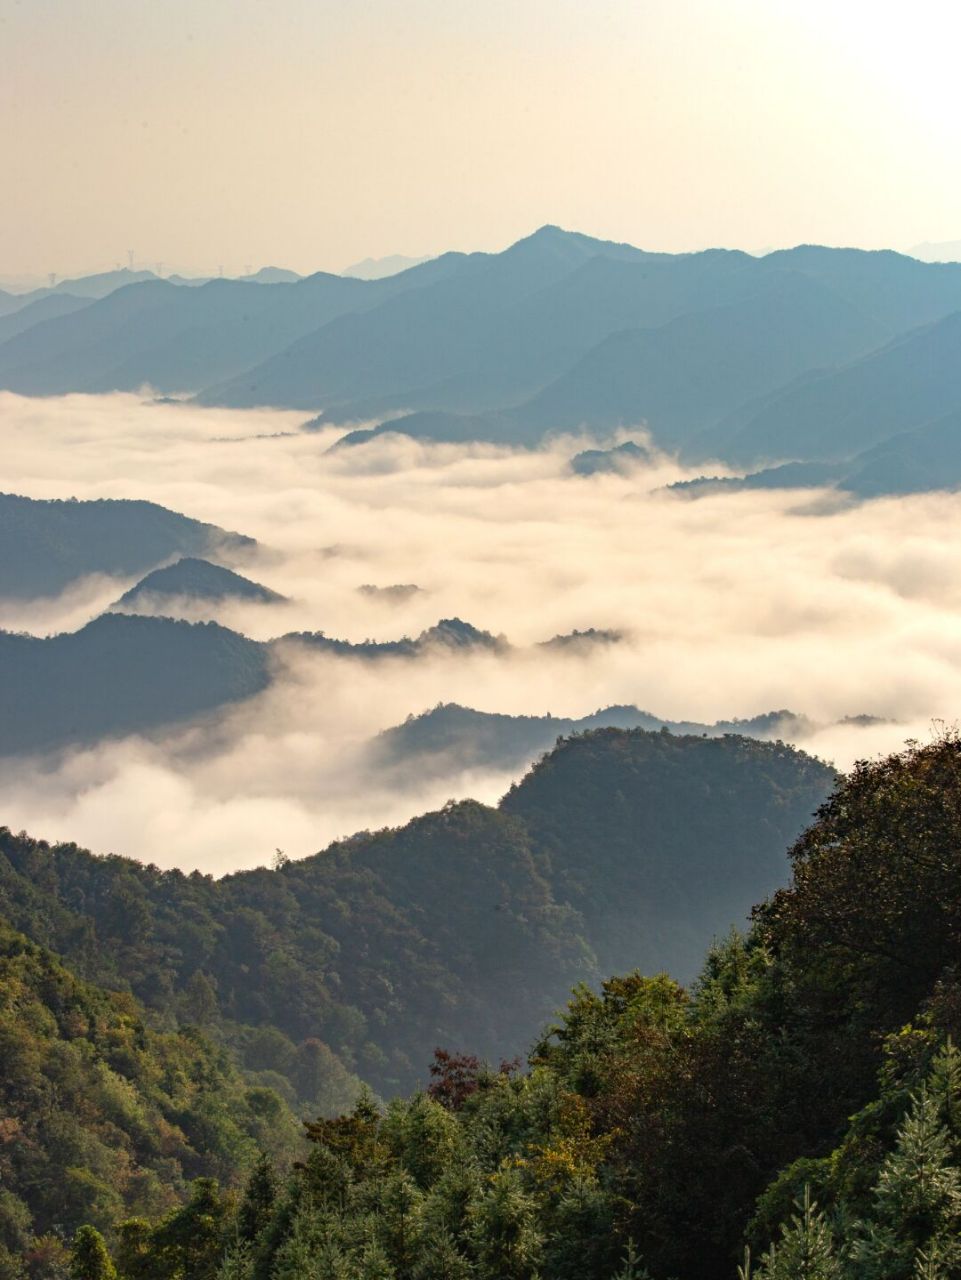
x=466 y=927
x=801 y=1097
x=658 y=1128
x=103 y=1116
x=661 y=841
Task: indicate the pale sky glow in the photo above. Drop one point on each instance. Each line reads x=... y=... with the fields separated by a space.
x=310 y=133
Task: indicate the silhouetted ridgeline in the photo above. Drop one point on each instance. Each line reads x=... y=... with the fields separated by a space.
x=47 y=544
x=120 y=674
x=808 y=354
x=194 y=580
x=449 y=738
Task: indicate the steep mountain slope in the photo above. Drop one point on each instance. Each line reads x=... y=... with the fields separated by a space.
x=192 y=579
x=919 y=461
x=533 y=340
x=678 y=342
x=681 y=377
x=45 y=544
x=913 y=462
x=438 y=332
x=485 y=350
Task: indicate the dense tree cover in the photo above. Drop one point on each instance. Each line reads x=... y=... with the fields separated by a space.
x=103 y=1116
x=616 y=815
x=459 y=929
x=802 y=1098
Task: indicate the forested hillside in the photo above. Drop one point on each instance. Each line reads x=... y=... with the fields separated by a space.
x=104 y=1117
x=193 y=580
x=800 y=1101
x=468 y=926
x=656 y=839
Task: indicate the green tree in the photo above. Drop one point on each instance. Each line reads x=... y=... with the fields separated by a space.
x=89 y=1259
x=506 y=1237
x=190 y=1242
x=258 y=1200
x=917 y=1202
x=806 y=1249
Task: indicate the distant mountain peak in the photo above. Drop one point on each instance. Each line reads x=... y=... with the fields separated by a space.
x=454 y=633
x=381 y=268
x=196 y=579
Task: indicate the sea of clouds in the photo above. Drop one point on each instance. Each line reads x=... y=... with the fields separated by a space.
x=730 y=604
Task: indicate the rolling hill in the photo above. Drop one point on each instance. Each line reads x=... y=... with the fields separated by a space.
x=46 y=544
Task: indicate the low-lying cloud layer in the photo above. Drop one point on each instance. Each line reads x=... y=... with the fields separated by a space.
x=730 y=605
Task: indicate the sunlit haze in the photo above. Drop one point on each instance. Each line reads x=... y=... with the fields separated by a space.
x=208 y=134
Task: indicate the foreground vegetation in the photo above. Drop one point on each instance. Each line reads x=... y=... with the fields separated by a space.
x=802 y=1099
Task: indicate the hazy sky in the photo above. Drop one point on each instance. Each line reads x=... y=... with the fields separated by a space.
x=310 y=133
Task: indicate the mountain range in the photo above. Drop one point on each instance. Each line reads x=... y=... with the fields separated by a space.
x=806 y=354
x=449 y=738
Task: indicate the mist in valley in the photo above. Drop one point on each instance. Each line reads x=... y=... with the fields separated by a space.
x=727 y=605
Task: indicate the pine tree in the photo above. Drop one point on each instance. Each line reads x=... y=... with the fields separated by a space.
x=238 y=1263
x=312 y=1251
x=944 y=1084
x=505 y=1233
x=806 y=1249
x=917 y=1200
x=374 y=1264
x=632 y=1268
x=438 y=1258
x=258 y=1202
x=927 y=1266
x=400 y=1202
x=89 y=1259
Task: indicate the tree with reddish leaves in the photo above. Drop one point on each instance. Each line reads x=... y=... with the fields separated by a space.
x=454 y=1077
